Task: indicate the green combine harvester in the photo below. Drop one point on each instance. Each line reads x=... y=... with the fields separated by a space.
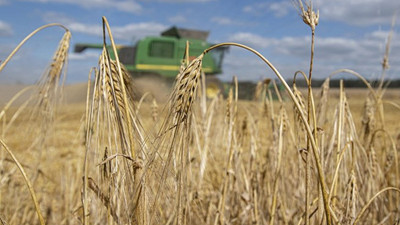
x=160 y=57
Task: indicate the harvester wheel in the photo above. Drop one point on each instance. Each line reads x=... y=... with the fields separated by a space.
x=214 y=86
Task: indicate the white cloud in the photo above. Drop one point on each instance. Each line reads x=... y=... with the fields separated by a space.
x=126 y=32
x=56 y=17
x=222 y=20
x=279 y=9
x=181 y=1
x=379 y=34
x=3 y=2
x=363 y=54
x=5 y=29
x=359 y=12
x=138 y=30
x=86 y=55
x=225 y=21
x=331 y=46
x=177 y=19
x=354 y=12
x=121 y=5
x=252 y=40
x=127 y=6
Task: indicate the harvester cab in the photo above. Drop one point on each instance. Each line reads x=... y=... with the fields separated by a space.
x=160 y=57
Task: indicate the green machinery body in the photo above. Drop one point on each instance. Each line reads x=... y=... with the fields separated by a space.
x=163 y=55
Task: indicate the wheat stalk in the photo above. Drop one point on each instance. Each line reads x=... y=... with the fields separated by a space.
x=174 y=134
x=385 y=61
x=278 y=165
x=323 y=103
x=362 y=211
x=231 y=115
x=28 y=183
x=27 y=38
x=368 y=121
x=321 y=176
x=112 y=124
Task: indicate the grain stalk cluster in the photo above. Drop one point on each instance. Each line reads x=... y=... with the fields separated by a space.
x=282 y=158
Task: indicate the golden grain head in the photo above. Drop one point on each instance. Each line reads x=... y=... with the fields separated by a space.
x=186 y=87
x=60 y=56
x=112 y=84
x=310 y=17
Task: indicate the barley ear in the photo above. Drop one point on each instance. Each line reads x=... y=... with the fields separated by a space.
x=310 y=17
x=185 y=89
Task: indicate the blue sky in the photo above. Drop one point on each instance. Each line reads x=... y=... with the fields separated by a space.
x=351 y=33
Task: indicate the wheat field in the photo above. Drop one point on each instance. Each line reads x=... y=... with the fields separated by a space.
x=97 y=153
